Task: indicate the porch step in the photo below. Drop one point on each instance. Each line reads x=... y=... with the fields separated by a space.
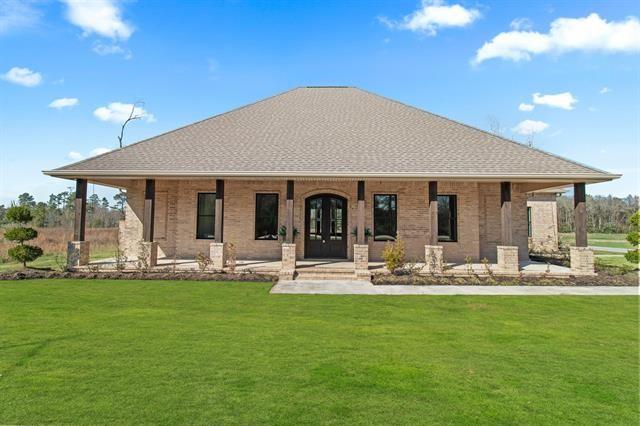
x=316 y=274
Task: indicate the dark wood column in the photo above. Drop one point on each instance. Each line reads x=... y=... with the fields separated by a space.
x=149 y=209
x=505 y=213
x=219 y=218
x=360 y=238
x=289 y=217
x=433 y=213
x=80 y=207
x=580 y=213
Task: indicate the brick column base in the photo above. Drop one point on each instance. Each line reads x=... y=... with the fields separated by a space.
x=361 y=261
x=582 y=262
x=149 y=249
x=434 y=259
x=288 y=268
x=77 y=253
x=508 y=259
x=218 y=255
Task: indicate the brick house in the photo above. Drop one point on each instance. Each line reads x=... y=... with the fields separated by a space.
x=339 y=172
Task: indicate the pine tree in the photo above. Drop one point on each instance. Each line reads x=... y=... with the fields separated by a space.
x=21 y=215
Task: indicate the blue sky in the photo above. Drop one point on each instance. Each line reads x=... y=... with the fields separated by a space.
x=567 y=73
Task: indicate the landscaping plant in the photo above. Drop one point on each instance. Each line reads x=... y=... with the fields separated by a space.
x=394 y=255
x=21 y=215
x=634 y=238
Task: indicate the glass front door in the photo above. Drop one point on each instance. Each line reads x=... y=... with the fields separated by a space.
x=326 y=227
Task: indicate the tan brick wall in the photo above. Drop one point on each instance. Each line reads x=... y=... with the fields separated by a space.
x=478 y=216
x=544 y=222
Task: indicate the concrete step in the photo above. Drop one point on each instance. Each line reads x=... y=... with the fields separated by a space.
x=319 y=274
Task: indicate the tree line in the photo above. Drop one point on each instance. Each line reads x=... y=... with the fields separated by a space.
x=58 y=211
x=605 y=213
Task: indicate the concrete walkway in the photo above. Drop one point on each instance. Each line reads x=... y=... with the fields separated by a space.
x=610 y=249
x=365 y=287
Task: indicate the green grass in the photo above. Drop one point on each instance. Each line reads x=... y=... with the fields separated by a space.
x=598 y=239
x=52 y=260
x=126 y=352
x=617 y=261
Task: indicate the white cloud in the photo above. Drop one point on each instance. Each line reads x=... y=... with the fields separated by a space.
x=22 y=76
x=75 y=156
x=117 y=112
x=111 y=49
x=520 y=24
x=591 y=33
x=432 y=16
x=604 y=90
x=102 y=17
x=63 y=103
x=530 y=127
x=526 y=107
x=98 y=151
x=560 y=100
x=17 y=14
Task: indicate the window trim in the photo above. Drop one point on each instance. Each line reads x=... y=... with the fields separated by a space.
x=529 y=222
x=453 y=222
x=198 y=215
x=395 y=216
x=255 y=216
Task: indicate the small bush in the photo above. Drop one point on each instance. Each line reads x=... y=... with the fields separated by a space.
x=394 y=255
x=20 y=234
x=25 y=253
x=203 y=261
x=22 y=253
x=633 y=237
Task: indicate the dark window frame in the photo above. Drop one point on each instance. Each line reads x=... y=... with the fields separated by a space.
x=198 y=215
x=255 y=218
x=393 y=217
x=453 y=219
x=529 y=222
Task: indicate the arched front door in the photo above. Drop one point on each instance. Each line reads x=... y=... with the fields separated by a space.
x=325 y=229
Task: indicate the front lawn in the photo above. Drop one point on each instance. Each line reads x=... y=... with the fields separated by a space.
x=199 y=352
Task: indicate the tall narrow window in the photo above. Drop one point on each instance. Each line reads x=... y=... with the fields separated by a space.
x=529 y=233
x=206 y=223
x=266 y=216
x=385 y=226
x=447 y=218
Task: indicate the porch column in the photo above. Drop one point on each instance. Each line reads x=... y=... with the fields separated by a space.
x=361 y=226
x=582 y=259
x=288 y=264
x=218 y=249
x=148 y=255
x=361 y=248
x=289 y=218
x=580 y=214
x=78 y=249
x=505 y=213
x=433 y=213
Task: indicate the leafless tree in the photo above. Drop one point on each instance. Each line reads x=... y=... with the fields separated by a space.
x=494 y=125
x=132 y=116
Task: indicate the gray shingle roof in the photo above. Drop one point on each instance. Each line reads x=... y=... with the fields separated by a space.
x=330 y=131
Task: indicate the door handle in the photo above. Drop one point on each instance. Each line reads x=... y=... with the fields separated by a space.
x=323 y=241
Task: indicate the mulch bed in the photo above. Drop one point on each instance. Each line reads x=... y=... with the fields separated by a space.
x=603 y=279
x=31 y=274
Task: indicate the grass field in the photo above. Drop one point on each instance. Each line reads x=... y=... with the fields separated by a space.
x=197 y=352
x=599 y=240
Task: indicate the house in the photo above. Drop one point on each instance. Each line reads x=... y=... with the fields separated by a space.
x=340 y=172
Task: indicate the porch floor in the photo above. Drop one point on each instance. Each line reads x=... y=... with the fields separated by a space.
x=528 y=267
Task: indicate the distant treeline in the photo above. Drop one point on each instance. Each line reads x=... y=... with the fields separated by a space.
x=605 y=214
x=58 y=212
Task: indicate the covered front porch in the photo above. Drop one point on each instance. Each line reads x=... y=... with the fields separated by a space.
x=315 y=227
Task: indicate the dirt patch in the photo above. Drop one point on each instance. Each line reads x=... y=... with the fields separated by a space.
x=30 y=274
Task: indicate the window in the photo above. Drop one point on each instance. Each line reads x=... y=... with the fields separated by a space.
x=385 y=226
x=447 y=218
x=206 y=223
x=529 y=221
x=266 y=216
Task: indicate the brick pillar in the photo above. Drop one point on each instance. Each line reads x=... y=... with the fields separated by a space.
x=505 y=214
x=582 y=262
x=434 y=259
x=433 y=213
x=508 y=259
x=77 y=253
x=361 y=261
x=149 y=249
x=218 y=255
x=288 y=268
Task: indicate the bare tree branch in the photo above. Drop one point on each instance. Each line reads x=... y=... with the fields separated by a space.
x=132 y=116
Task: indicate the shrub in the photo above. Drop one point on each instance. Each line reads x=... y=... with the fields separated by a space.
x=394 y=255
x=203 y=261
x=22 y=253
x=634 y=238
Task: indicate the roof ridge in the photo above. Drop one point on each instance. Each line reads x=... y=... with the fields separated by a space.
x=179 y=128
x=488 y=133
